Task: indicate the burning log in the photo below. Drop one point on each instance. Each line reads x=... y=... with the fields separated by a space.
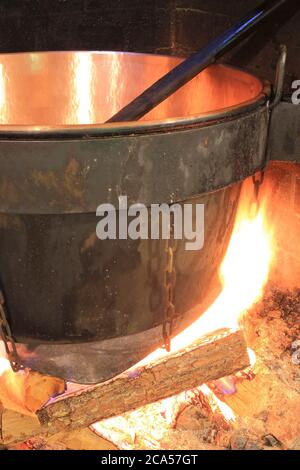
x=211 y=357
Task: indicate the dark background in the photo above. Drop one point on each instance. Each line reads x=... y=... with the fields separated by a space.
x=160 y=26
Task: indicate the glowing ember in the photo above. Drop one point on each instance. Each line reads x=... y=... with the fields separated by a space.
x=150 y=426
x=217 y=405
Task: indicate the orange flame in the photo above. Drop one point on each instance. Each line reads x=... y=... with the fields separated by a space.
x=11 y=385
x=4 y=362
x=4 y=365
x=243 y=274
x=217 y=405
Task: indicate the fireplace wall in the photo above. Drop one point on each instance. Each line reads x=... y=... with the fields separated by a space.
x=160 y=26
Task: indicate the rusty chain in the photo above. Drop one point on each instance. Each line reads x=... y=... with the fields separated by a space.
x=6 y=335
x=169 y=288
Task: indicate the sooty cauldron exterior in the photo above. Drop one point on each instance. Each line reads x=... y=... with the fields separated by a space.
x=86 y=309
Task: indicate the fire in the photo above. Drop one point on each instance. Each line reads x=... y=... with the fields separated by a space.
x=243 y=274
x=11 y=388
x=252 y=357
x=216 y=404
x=147 y=427
x=4 y=363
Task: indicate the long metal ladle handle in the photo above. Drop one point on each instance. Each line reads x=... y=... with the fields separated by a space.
x=189 y=68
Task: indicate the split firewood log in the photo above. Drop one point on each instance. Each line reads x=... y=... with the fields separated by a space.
x=217 y=355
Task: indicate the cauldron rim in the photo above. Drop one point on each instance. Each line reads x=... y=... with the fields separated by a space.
x=80 y=131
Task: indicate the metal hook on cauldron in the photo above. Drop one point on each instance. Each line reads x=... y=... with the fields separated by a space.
x=258 y=178
x=196 y=63
x=279 y=79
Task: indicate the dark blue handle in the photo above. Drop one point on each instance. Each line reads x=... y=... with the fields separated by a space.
x=197 y=62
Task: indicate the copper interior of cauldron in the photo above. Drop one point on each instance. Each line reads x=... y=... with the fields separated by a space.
x=72 y=88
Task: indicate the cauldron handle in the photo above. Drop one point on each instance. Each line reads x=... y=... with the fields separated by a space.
x=192 y=66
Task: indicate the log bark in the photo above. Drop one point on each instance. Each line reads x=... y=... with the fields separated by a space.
x=217 y=355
